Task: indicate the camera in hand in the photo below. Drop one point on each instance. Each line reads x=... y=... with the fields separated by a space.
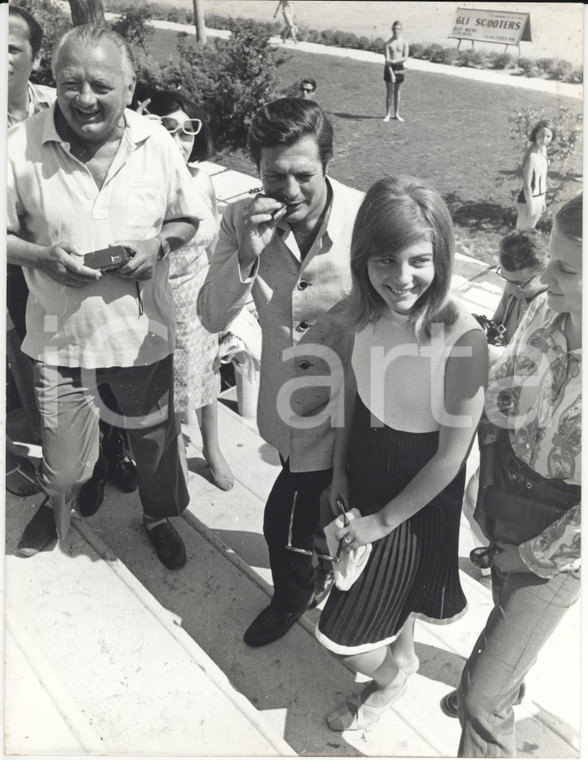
x=495 y=333
x=108 y=258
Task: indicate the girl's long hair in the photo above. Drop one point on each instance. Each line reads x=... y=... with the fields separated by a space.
x=396 y=212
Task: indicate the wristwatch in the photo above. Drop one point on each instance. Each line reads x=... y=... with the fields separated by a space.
x=164 y=248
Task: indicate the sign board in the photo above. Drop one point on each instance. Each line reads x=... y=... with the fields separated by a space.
x=503 y=27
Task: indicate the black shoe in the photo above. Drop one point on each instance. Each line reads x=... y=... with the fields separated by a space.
x=323 y=583
x=449 y=702
x=168 y=544
x=124 y=473
x=39 y=533
x=270 y=625
x=91 y=493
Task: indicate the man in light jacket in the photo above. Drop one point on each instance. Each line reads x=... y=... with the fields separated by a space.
x=290 y=249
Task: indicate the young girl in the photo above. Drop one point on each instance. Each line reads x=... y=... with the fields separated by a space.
x=414 y=394
x=531 y=199
x=196 y=384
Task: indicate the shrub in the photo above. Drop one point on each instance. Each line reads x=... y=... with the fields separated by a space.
x=377 y=45
x=499 y=60
x=471 y=59
x=416 y=49
x=576 y=75
x=230 y=79
x=312 y=35
x=133 y=25
x=363 y=43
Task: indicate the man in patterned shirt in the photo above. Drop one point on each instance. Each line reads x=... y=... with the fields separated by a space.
x=531 y=449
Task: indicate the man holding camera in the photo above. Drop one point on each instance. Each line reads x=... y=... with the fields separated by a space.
x=290 y=248
x=84 y=175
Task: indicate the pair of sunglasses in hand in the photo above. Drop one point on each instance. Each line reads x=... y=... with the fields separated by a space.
x=328 y=557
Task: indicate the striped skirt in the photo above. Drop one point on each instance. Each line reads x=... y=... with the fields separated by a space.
x=413 y=570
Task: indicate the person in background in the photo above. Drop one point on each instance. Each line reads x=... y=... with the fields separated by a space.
x=400 y=456
x=523 y=256
x=530 y=496
x=24 y=99
x=289 y=29
x=196 y=383
x=307 y=88
x=531 y=199
x=395 y=55
x=289 y=248
x=123 y=182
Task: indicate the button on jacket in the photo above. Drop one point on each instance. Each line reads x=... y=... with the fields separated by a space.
x=295 y=300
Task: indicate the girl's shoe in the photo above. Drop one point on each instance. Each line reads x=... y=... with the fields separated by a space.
x=355 y=715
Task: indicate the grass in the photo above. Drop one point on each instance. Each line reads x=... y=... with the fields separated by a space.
x=456 y=137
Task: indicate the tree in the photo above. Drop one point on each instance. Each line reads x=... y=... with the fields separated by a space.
x=87 y=12
x=199 y=22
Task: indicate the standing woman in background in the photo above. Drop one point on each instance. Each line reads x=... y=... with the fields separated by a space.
x=531 y=199
x=196 y=384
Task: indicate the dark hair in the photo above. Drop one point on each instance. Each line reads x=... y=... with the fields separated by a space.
x=522 y=249
x=548 y=124
x=396 y=212
x=164 y=102
x=286 y=121
x=568 y=219
x=35 y=31
x=91 y=35
x=308 y=80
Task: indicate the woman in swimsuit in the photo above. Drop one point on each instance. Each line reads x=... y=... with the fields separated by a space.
x=531 y=199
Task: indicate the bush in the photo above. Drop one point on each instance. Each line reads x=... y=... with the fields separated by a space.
x=230 y=79
x=471 y=59
x=133 y=25
x=499 y=60
x=416 y=49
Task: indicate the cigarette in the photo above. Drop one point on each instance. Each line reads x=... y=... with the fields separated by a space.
x=277 y=215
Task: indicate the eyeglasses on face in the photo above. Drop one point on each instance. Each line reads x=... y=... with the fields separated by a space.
x=307 y=552
x=309 y=90
x=519 y=285
x=189 y=127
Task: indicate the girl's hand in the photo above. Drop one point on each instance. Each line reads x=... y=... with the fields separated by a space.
x=361 y=531
x=339 y=491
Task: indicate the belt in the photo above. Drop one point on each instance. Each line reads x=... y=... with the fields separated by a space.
x=519 y=477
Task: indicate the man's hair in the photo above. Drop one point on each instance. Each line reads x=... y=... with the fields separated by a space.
x=308 y=80
x=523 y=249
x=164 y=102
x=286 y=121
x=568 y=219
x=90 y=35
x=35 y=31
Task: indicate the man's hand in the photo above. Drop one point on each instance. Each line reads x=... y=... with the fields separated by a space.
x=64 y=264
x=258 y=228
x=142 y=265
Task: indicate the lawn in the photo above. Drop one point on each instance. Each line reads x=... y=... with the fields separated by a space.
x=456 y=137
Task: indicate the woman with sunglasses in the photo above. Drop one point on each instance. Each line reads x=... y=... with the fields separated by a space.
x=196 y=384
x=531 y=199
